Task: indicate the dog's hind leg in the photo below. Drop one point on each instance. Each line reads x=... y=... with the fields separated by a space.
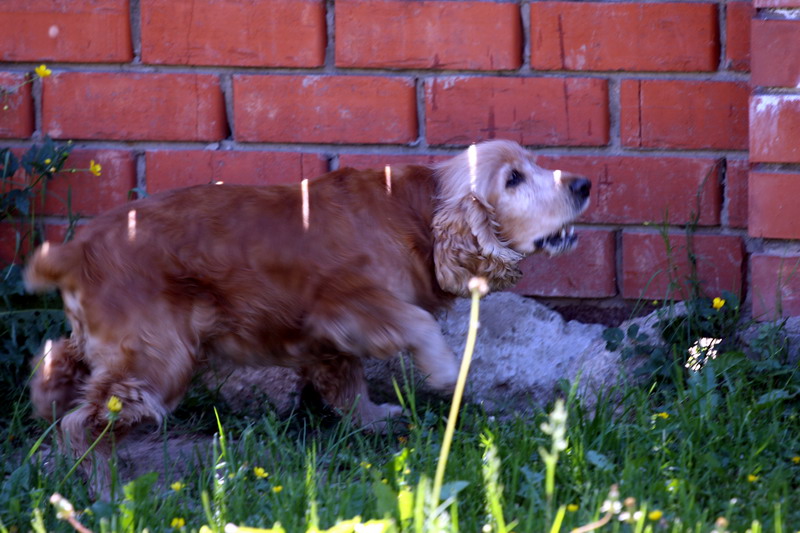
x=84 y=427
x=148 y=378
x=59 y=374
x=339 y=380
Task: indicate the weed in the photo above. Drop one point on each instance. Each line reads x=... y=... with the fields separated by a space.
x=26 y=319
x=713 y=450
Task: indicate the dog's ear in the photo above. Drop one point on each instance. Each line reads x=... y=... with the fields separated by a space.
x=466 y=245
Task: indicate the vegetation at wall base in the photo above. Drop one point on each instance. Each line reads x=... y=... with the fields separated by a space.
x=714 y=448
x=25 y=319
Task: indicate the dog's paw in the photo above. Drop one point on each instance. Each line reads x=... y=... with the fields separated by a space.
x=379 y=417
x=444 y=379
x=440 y=368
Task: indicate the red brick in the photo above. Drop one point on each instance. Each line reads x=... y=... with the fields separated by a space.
x=55 y=232
x=379 y=161
x=647 y=266
x=428 y=34
x=635 y=190
x=124 y=106
x=586 y=272
x=83 y=193
x=634 y=36
x=773 y=205
x=168 y=169
x=773 y=65
x=12 y=236
x=775 y=128
x=65 y=30
x=774 y=286
x=325 y=109
x=532 y=111
x=684 y=114
x=776 y=3
x=16 y=240
x=737 y=38
x=277 y=33
x=17 y=120
x=736 y=177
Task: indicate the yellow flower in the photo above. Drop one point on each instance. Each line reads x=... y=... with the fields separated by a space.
x=48 y=161
x=718 y=303
x=655 y=515
x=366 y=465
x=42 y=71
x=95 y=168
x=114 y=404
x=663 y=414
x=178 y=522
x=260 y=472
x=277 y=488
x=177 y=486
x=796 y=459
x=572 y=507
x=752 y=478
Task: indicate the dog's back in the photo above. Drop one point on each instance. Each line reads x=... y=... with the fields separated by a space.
x=243 y=244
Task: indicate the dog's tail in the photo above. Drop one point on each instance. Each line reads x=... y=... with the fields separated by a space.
x=48 y=266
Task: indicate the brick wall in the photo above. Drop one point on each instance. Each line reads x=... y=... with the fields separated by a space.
x=774 y=181
x=648 y=99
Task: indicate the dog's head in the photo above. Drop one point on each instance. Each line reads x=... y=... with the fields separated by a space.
x=496 y=205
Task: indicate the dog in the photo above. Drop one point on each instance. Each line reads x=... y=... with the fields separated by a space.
x=314 y=276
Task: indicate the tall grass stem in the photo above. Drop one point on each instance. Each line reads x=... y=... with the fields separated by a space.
x=472 y=334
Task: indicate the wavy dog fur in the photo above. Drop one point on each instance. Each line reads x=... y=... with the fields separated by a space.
x=313 y=277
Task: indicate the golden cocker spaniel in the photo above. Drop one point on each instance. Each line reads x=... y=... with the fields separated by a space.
x=314 y=276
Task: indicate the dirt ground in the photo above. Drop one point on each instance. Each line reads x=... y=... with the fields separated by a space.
x=610 y=315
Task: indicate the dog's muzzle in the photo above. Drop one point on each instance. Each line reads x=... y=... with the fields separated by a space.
x=565 y=239
x=559 y=242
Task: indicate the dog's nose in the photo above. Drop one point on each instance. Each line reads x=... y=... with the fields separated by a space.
x=580 y=187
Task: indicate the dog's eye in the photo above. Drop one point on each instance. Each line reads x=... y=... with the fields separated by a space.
x=515 y=177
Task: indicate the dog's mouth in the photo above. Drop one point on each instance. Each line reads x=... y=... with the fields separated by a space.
x=559 y=242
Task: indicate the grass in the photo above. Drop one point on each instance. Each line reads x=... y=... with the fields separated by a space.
x=716 y=449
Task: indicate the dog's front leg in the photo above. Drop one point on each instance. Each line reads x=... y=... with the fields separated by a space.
x=378 y=324
x=432 y=356
x=339 y=380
